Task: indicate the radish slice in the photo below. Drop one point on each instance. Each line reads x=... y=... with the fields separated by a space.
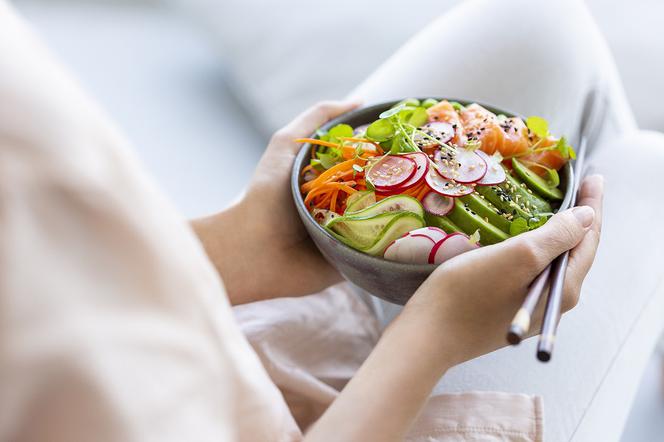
x=410 y=249
x=434 y=233
x=391 y=172
x=449 y=247
x=422 y=162
x=495 y=173
x=465 y=167
x=441 y=131
x=445 y=187
x=437 y=204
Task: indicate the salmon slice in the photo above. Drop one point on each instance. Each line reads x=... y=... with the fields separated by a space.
x=515 y=136
x=552 y=159
x=481 y=124
x=508 y=136
x=444 y=111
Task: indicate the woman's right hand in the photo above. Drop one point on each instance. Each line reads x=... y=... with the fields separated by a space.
x=469 y=301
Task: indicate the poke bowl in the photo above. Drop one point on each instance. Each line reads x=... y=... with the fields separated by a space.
x=390 y=191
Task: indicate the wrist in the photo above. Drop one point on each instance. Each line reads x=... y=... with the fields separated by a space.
x=435 y=336
x=418 y=334
x=223 y=236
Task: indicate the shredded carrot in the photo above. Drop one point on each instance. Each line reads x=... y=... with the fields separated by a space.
x=333 y=203
x=422 y=193
x=316 y=141
x=328 y=174
x=348 y=152
x=324 y=202
x=311 y=169
x=345 y=186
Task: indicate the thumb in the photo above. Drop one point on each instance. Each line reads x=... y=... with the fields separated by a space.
x=561 y=233
x=308 y=121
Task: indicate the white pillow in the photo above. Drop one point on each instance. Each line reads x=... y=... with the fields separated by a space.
x=284 y=55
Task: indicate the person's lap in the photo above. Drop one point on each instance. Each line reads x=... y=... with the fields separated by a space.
x=543 y=58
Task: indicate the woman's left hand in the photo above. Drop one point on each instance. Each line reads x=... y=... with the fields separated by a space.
x=260 y=246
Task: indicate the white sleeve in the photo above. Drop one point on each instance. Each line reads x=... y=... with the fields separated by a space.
x=113 y=323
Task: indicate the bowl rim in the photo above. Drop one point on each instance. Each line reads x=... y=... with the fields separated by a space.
x=378 y=108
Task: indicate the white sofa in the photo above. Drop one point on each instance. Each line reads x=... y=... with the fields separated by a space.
x=168 y=85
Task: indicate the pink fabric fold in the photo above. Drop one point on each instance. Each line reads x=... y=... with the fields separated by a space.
x=312 y=346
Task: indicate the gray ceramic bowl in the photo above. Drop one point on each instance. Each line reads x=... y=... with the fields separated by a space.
x=395 y=282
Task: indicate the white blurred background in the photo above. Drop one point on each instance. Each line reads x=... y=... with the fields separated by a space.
x=198 y=85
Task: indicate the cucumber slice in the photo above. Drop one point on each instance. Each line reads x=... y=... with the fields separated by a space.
x=392 y=204
x=398 y=227
x=359 y=201
x=470 y=221
x=362 y=232
x=373 y=234
x=535 y=182
x=486 y=210
x=442 y=222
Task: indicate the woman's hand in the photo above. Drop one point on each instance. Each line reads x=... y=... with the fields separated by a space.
x=462 y=311
x=260 y=246
x=470 y=300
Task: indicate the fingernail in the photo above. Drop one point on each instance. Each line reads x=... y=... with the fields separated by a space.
x=585 y=215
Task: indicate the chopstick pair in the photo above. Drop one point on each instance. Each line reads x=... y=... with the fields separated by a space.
x=554 y=273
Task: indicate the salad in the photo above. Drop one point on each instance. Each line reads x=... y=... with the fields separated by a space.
x=431 y=179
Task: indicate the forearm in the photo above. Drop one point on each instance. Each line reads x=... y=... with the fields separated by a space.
x=223 y=235
x=383 y=399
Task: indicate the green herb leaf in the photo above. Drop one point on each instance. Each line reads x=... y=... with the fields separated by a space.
x=380 y=130
x=535 y=222
x=572 y=152
x=457 y=106
x=315 y=163
x=393 y=111
x=429 y=102
x=552 y=177
x=518 y=226
x=565 y=149
x=538 y=126
x=414 y=102
x=397 y=143
x=328 y=160
x=418 y=117
x=339 y=131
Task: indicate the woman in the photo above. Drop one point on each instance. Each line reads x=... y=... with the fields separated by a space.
x=115 y=323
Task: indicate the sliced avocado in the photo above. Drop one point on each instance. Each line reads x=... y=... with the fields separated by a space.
x=470 y=221
x=442 y=222
x=486 y=210
x=372 y=234
x=502 y=200
x=360 y=200
x=522 y=195
x=391 y=204
x=535 y=182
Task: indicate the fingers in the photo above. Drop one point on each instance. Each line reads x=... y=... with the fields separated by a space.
x=583 y=255
x=564 y=231
x=308 y=121
x=592 y=194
